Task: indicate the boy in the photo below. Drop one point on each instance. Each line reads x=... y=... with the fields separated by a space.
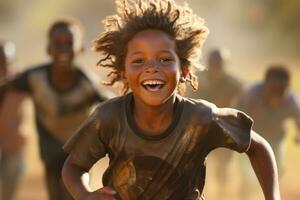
x=12 y=139
x=222 y=89
x=156 y=139
x=271 y=103
x=62 y=94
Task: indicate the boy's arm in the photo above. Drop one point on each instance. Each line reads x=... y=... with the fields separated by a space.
x=76 y=181
x=263 y=162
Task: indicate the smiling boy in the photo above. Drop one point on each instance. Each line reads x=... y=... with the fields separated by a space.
x=157 y=141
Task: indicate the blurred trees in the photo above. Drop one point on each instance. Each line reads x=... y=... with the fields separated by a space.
x=276 y=17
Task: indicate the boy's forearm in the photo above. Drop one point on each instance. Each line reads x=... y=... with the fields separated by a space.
x=263 y=162
x=75 y=180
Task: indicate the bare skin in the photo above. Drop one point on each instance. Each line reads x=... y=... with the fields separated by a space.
x=73 y=177
x=264 y=165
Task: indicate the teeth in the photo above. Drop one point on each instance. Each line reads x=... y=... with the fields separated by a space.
x=153 y=82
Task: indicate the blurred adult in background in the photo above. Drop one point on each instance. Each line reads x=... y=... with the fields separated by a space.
x=63 y=94
x=12 y=138
x=221 y=88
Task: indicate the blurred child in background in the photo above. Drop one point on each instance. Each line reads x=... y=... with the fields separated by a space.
x=63 y=94
x=12 y=138
x=270 y=103
x=221 y=88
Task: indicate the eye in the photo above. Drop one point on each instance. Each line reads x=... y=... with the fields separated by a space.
x=138 y=61
x=165 y=59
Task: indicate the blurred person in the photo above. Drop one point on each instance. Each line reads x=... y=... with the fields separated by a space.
x=12 y=138
x=221 y=88
x=63 y=94
x=270 y=103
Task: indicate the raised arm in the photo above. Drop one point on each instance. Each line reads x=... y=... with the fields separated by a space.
x=263 y=162
x=76 y=180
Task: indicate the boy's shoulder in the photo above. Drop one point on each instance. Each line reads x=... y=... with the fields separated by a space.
x=38 y=67
x=209 y=112
x=199 y=108
x=111 y=108
x=254 y=91
x=256 y=88
x=87 y=74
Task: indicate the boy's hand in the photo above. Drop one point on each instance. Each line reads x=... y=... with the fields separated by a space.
x=105 y=193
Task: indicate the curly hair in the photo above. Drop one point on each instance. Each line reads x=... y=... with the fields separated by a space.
x=179 y=22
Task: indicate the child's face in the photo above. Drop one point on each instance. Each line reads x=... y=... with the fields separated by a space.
x=61 y=47
x=275 y=92
x=152 y=67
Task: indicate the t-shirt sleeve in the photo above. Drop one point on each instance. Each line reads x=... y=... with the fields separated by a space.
x=21 y=81
x=88 y=144
x=230 y=128
x=18 y=82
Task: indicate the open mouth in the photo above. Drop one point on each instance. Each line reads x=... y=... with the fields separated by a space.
x=153 y=85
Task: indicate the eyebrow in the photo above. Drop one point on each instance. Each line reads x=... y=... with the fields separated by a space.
x=135 y=53
x=161 y=51
x=165 y=51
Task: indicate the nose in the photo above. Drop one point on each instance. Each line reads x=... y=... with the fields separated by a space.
x=152 y=66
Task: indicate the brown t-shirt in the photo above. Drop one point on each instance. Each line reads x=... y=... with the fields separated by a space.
x=168 y=166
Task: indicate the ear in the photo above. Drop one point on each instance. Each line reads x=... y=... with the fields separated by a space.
x=185 y=72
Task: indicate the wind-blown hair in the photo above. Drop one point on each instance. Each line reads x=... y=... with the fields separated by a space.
x=133 y=16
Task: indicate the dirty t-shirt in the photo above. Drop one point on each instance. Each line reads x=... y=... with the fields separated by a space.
x=168 y=166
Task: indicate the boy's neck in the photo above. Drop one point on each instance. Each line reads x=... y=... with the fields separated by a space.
x=153 y=120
